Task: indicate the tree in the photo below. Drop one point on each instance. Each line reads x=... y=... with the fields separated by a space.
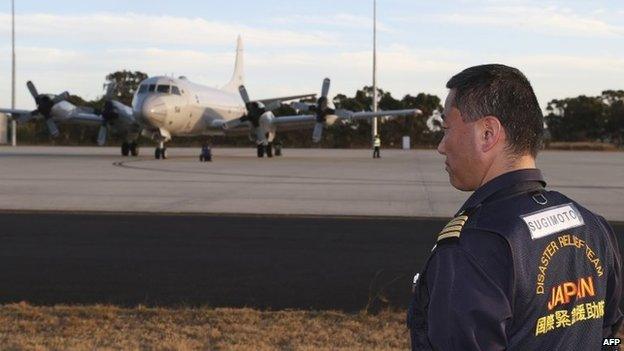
x=576 y=119
x=342 y=101
x=127 y=82
x=417 y=127
x=614 y=115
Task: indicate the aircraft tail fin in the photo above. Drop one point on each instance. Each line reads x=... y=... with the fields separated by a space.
x=238 y=78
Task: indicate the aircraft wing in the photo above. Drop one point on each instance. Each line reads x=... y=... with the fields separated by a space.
x=268 y=124
x=14 y=112
x=345 y=115
x=21 y=116
x=79 y=117
x=330 y=117
x=278 y=100
x=85 y=118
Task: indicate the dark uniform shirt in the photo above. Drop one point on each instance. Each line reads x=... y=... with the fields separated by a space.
x=519 y=268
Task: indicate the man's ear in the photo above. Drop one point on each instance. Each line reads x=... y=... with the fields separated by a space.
x=492 y=133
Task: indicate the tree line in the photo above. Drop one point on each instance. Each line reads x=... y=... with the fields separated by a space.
x=588 y=118
x=581 y=118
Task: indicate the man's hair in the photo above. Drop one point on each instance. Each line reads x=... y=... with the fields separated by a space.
x=505 y=93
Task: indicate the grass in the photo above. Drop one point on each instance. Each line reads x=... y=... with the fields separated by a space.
x=25 y=327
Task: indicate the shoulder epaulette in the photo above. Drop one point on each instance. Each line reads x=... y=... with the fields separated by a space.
x=453 y=228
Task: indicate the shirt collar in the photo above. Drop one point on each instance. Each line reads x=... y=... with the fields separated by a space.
x=501 y=182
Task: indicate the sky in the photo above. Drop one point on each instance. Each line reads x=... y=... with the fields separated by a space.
x=565 y=48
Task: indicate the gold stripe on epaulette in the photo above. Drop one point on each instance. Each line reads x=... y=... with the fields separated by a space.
x=458 y=220
x=453 y=228
x=454 y=234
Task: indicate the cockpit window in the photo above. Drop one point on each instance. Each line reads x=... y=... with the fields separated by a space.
x=175 y=90
x=152 y=87
x=163 y=89
x=143 y=89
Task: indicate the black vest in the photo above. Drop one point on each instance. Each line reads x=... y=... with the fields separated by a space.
x=562 y=255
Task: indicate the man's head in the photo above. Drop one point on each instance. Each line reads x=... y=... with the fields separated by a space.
x=492 y=124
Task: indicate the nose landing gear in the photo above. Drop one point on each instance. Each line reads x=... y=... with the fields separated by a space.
x=161 y=151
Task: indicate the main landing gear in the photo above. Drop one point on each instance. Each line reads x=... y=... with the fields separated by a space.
x=161 y=151
x=265 y=149
x=130 y=149
x=270 y=149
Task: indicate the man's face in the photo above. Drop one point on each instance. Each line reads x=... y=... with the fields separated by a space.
x=460 y=145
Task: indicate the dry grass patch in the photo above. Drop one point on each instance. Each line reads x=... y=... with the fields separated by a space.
x=25 y=327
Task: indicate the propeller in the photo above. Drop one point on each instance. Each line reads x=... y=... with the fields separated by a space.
x=109 y=113
x=45 y=103
x=255 y=111
x=322 y=110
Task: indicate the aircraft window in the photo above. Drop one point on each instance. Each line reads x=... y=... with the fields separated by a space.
x=143 y=89
x=175 y=90
x=163 y=89
x=152 y=87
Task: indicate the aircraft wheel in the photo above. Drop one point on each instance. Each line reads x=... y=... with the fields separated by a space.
x=269 y=150
x=157 y=154
x=134 y=149
x=125 y=149
x=260 y=150
x=163 y=153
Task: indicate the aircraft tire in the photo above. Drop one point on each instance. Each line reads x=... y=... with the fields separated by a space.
x=134 y=149
x=125 y=149
x=260 y=151
x=157 y=154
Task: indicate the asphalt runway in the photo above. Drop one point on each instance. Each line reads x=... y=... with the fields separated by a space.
x=408 y=183
x=264 y=261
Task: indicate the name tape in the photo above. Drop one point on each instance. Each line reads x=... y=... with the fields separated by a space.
x=553 y=220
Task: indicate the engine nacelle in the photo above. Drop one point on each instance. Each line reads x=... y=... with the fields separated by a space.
x=124 y=112
x=267 y=126
x=330 y=120
x=62 y=110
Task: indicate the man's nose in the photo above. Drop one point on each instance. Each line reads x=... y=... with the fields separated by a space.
x=441 y=147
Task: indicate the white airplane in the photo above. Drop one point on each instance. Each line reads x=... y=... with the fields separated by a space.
x=165 y=107
x=168 y=107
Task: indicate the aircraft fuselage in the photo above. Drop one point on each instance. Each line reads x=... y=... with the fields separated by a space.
x=178 y=107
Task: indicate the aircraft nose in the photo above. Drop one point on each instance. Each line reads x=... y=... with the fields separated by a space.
x=154 y=111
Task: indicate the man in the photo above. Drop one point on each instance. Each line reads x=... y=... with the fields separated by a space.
x=519 y=267
x=376 y=146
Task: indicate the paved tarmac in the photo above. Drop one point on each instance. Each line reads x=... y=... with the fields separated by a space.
x=268 y=262
x=180 y=231
x=304 y=181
